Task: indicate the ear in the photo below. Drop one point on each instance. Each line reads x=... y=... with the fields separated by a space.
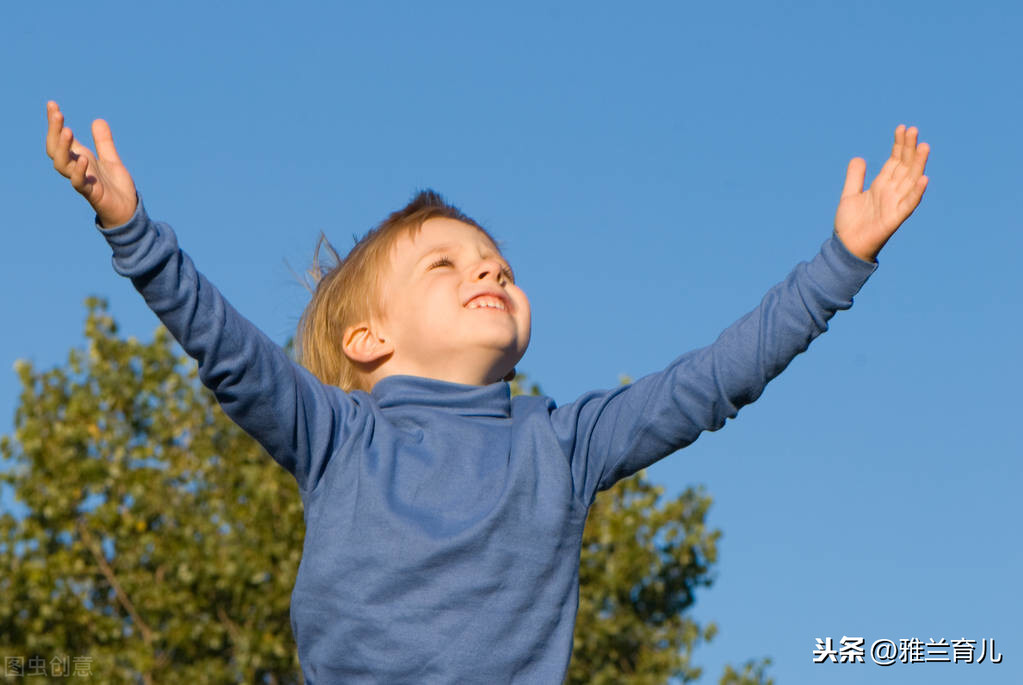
x=510 y=376
x=361 y=344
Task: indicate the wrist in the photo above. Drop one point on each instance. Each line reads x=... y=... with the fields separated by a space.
x=119 y=216
x=863 y=249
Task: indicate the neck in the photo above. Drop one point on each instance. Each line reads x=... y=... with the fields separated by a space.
x=460 y=374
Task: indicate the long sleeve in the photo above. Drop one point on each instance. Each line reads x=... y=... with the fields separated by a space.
x=296 y=418
x=609 y=435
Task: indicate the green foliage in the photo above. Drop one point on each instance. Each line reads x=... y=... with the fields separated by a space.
x=163 y=542
x=640 y=566
x=160 y=540
x=752 y=673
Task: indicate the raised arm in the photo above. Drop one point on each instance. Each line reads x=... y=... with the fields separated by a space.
x=609 y=435
x=295 y=417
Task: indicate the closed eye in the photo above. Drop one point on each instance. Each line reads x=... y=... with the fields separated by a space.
x=444 y=261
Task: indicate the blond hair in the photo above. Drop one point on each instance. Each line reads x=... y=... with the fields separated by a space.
x=349 y=291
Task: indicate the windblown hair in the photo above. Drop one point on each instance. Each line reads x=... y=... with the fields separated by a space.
x=349 y=290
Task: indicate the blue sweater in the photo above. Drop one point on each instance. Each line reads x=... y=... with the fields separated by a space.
x=444 y=521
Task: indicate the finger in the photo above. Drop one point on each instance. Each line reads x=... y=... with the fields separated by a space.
x=900 y=136
x=909 y=146
x=78 y=171
x=101 y=135
x=912 y=199
x=55 y=122
x=854 y=175
x=887 y=172
x=62 y=151
x=923 y=151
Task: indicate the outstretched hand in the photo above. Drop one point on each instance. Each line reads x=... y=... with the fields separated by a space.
x=865 y=220
x=100 y=178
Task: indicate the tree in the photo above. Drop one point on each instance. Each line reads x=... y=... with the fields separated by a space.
x=162 y=543
x=159 y=540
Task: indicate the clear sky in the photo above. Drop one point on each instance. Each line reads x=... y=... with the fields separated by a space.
x=652 y=170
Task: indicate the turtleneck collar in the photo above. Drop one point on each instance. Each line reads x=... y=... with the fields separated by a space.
x=402 y=390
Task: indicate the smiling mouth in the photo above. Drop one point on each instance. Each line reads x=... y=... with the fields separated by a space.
x=487 y=302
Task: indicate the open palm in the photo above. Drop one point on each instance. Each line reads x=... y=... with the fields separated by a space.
x=865 y=220
x=101 y=178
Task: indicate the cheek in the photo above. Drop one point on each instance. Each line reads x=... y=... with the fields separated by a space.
x=523 y=303
x=524 y=314
x=433 y=307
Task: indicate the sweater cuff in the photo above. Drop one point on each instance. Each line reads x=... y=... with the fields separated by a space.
x=140 y=244
x=839 y=271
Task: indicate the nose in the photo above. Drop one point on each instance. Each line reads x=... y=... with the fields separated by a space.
x=490 y=267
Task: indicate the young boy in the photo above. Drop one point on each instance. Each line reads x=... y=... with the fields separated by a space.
x=444 y=518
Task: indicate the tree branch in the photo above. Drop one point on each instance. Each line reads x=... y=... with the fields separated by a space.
x=108 y=573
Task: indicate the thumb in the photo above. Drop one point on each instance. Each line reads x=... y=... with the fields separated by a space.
x=854 y=176
x=105 y=149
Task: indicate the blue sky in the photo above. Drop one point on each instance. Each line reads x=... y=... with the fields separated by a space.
x=652 y=171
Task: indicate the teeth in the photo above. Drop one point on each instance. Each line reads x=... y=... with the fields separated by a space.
x=491 y=302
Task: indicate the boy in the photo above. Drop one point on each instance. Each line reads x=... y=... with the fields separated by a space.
x=444 y=518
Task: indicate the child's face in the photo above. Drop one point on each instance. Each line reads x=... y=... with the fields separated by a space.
x=433 y=313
